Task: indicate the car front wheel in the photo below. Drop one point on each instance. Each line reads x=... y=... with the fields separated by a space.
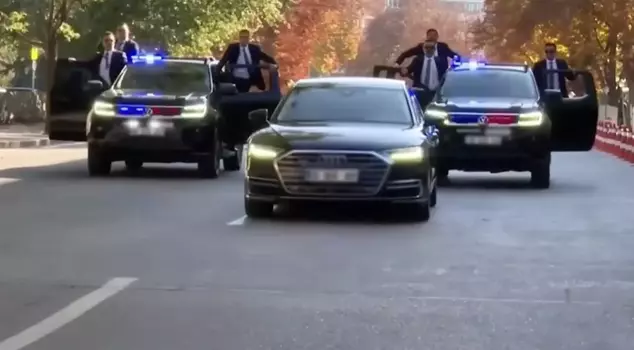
x=99 y=163
x=540 y=174
x=258 y=209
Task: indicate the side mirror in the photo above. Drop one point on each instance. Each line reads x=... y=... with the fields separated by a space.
x=94 y=85
x=259 y=118
x=227 y=89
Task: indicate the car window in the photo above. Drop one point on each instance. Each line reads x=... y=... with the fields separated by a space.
x=177 y=77
x=488 y=83
x=341 y=103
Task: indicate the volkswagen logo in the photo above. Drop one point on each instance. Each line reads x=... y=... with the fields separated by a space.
x=483 y=120
x=332 y=160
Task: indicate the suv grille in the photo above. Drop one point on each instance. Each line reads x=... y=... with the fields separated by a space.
x=292 y=169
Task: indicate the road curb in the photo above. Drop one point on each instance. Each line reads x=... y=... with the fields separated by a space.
x=24 y=143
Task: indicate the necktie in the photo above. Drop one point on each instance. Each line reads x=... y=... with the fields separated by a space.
x=552 y=76
x=427 y=78
x=246 y=56
x=107 y=58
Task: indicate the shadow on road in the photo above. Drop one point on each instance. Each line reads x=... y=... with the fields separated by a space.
x=349 y=213
x=512 y=182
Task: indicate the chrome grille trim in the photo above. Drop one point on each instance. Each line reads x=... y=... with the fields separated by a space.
x=365 y=191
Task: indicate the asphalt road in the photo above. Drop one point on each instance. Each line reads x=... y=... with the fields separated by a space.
x=164 y=261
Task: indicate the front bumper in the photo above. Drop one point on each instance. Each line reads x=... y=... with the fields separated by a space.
x=380 y=181
x=519 y=147
x=168 y=139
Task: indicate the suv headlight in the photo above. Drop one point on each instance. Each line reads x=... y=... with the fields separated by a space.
x=194 y=111
x=262 y=152
x=103 y=109
x=535 y=118
x=407 y=155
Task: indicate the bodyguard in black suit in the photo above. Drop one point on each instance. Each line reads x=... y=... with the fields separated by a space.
x=552 y=81
x=427 y=72
x=109 y=63
x=441 y=49
x=125 y=44
x=244 y=52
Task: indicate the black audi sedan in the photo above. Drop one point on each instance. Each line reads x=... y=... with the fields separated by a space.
x=342 y=139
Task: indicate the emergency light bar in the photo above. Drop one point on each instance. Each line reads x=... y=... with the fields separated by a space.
x=149 y=59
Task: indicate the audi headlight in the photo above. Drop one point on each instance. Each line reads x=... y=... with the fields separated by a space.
x=194 y=111
x=103 y=109
x=407 y=155
x=535 y=118
x=262 y=152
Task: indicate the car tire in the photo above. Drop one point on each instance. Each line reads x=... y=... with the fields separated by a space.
x=99 y=163
x=419 y=211
x=433 y=197
x=234 y=162
x=540 y=174
x=442 y=176
x=209 y=164
x=133 y=165
x=258 y=209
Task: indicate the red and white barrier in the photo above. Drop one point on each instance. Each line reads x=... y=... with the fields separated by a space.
x=616 y=140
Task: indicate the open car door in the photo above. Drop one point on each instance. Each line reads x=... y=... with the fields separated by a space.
x=574 y=119
x=70 y=100
x=235 y=108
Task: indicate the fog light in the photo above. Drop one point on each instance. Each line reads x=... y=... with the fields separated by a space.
x=133 y=124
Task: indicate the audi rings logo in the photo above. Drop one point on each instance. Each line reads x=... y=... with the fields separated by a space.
x=483 y=120
x=333 y=160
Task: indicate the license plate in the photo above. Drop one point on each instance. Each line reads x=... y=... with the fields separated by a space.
x=333 y=175
x=148 y=132
x=483 y=140
x=498 y=132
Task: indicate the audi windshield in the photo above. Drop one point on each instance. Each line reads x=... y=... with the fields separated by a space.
x=344 y=103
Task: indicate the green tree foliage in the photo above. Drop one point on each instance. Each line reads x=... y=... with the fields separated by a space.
x=595 y=35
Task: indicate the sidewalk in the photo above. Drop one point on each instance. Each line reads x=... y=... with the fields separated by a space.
x=22 y=136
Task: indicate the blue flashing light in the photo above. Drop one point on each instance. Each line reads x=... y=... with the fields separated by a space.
x=470 y=65
x=131 y=111
x=147 y=59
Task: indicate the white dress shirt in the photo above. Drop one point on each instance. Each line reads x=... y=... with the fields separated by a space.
x=104 y=67
x=243 y=58
x=553 y=77
x=433 y=71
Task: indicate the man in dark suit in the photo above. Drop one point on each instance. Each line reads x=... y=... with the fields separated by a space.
x=441 y=49
x=109 y=63
x=427 y=71
x=125 y=43
x=552 y=80
x=244 y=52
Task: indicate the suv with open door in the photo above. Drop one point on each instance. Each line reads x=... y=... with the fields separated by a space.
x=492 y=117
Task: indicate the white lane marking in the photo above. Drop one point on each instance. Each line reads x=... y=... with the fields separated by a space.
x=66 y=315
x=7 y=180
x=237 y=222
x=63 y=145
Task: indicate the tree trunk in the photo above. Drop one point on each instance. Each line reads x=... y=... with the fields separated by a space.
x=51 y=60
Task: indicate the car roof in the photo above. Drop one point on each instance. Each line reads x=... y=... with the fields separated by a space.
x=494 y=66
x=184 y=60
x=353 y=81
